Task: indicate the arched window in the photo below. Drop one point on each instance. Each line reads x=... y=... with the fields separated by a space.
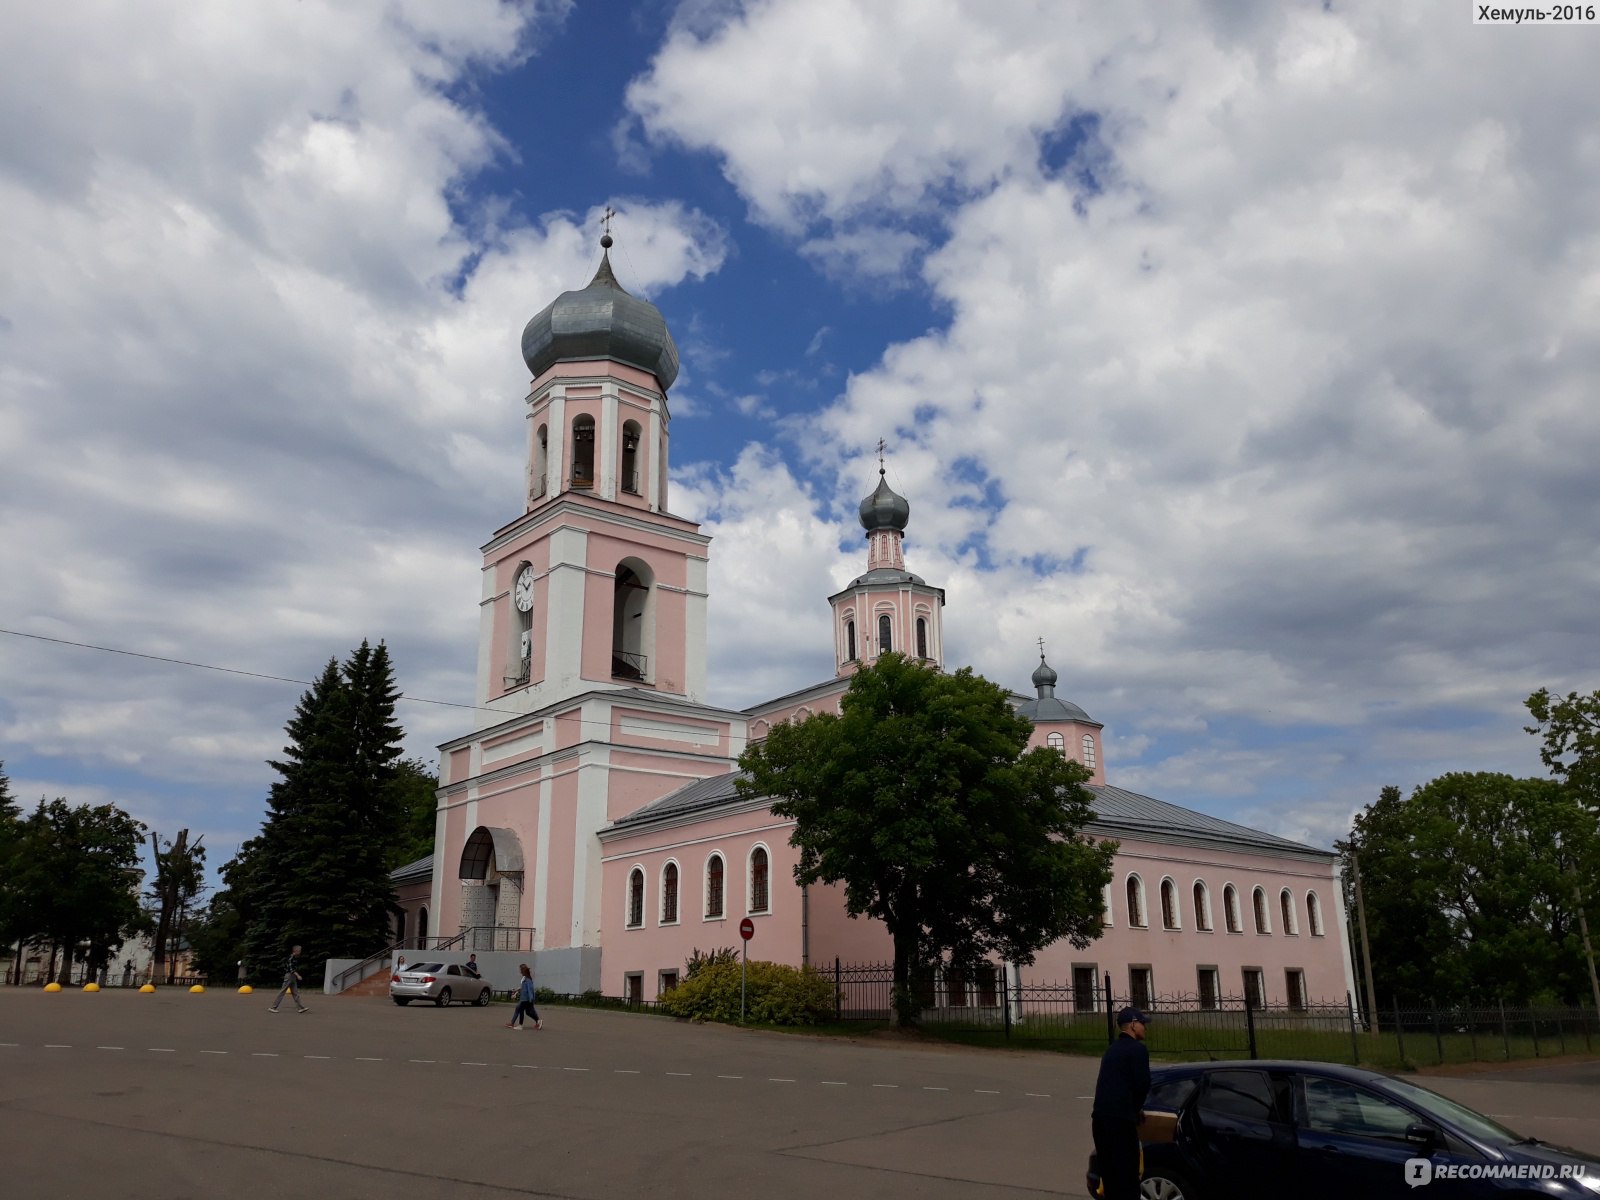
x=1202 y=906
x=1230 y=909
x=1258 y=904
x=669 y=894
x=1088 y=751
x=631 y=621
x=760 y=897
x=1314 y=914
x=714 y=886
x=850 y=641
x=541 y=464
x=922 y=638
x=583 y=451
x=1170 y=917
x=1056 y=742
x=636 y=898
x=630 y=458
x=1286 y=907
x=1136 y=916
x=885 y=634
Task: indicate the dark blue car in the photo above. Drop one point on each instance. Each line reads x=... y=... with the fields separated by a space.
x=1318 y=1131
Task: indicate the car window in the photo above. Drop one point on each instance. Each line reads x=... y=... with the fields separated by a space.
x=1445 y=1109
x=1334 y=1106
x=1237 y=1094
x=1170 y=1095
x=454 y=970
x=427 y=968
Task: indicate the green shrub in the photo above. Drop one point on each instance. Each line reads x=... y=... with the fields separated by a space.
x=544 y=995
x=699 y=961
x=777 y=994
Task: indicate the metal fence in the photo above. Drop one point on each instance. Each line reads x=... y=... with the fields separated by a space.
x=998 y=1002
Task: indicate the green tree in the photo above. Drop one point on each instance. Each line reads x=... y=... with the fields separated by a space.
x=318 y=873
x=921 y=797
x=180 y=875
x=77 y=880
x=10 y=831
x=1570 y=728
x=415 y=790
x=1467 y=885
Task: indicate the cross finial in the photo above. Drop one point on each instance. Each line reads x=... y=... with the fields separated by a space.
x=606 y=219
x=881 y=448
x=1041 y=649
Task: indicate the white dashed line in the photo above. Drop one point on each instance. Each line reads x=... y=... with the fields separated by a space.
x=369 y=1060
x=680 y=1074
x=770 y=1079
x=213 y=1052
x=623 y=1071
x=1083 y=1097
x=260 y=1054
x=108 y=1047
x=934 y=1089
x=886 y=1085
x=8 y=1043
x=56 y=1046
x=467 y=1064
x=1038 y=1095
x=730 y=1076
x=833 y=1083
x=160 y=1050
x=574 y=1068
x=323 y=1057
x=985 y=1092
x=531 y=1067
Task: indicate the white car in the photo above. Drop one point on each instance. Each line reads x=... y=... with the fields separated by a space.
x=437 y=982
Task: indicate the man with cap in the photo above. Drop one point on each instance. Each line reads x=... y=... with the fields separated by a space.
x=1119 y=1096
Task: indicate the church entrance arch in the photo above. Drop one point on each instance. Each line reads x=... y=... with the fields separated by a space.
x=490 y=876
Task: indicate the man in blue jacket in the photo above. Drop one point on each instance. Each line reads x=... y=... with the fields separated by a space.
x=1119 y=1096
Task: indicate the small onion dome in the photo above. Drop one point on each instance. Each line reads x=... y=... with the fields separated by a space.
x=601 y=321
x=884 y=510
x=1044 y=676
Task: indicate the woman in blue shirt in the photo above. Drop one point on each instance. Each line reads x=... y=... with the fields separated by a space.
x=525 y=1002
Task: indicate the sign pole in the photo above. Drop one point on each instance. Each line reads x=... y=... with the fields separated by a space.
x=747 y=930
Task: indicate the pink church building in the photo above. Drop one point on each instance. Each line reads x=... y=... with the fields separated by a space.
x=592 y=819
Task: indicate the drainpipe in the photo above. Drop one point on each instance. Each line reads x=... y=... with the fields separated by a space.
x=805 y=927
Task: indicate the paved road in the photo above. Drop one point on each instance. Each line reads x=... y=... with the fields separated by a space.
x=173 y=1096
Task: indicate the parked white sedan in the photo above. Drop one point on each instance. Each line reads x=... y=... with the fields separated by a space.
x=438 y=982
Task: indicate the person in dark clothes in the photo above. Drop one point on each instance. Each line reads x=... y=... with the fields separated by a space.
x=1119 y=1096
x=291 y=982
x=471 y=966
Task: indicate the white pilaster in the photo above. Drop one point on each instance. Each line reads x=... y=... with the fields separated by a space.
x=541 y=860
x=563 y=613
x=655 y=485
x=694 y=629
x=557 y=467
x=606 y=450
x=486 y=591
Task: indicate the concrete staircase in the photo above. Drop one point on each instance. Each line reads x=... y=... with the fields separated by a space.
x=372 y=985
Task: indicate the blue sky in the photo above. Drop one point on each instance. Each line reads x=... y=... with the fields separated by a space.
x=1242 y=352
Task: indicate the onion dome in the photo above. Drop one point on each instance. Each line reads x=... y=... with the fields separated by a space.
x=883 y=510
x=1049 y=707
x=1044 y=678
x=601 y=321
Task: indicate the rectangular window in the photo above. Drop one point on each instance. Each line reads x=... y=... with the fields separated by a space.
x=667 y=981
x=1207 y=977
x=1294 y=981
x=1085 y=989
x=955 y=985
x=1255 y=987
x=1140 y=986
x=988 y=986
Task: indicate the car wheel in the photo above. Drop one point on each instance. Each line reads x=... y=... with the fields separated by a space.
x=1162 y=1184
x=483 y=999
x=443 y=998
x=402 y=1001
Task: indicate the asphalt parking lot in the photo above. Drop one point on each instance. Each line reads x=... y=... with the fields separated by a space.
x=172 y=1095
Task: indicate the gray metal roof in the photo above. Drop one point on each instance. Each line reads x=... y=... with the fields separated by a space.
x=1116 y=810
x=1052 y=708
x=601 y=321
x=413 y=871
x=1119 y=810
x=887 y=575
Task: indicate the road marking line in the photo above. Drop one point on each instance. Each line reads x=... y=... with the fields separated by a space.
x=321 y=1056
x=730 y=1076
x=934 y=1089
x=623 y=1071
x=213 y=1052
x=681 y=1074
x=259 y=1054
x=160 y=1050
x=1038 y=1095
x=1083 y=1097
x=369 y=1060
x=108 y=1047
x=985 y=1092
x=531 y=1067
x=770 y=1079
x=574 y=1068
x=467 y=1064
x=886 y=1085
x=56 y=1046
x=424 y=1060
x=833 y=1083
x=8 y=1043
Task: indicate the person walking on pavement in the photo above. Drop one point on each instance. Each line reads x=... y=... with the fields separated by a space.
x=525 y=1002
x=291 y=983
x=1119 y=1095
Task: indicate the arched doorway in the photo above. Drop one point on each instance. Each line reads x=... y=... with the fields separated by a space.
x=491 y=891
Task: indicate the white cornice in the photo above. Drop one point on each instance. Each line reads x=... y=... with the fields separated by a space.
x=556 y=509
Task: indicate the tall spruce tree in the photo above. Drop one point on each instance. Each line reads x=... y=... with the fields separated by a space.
x=318 y=873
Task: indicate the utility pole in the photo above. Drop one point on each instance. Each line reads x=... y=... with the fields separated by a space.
x=1588 y=947
x=1366 y=943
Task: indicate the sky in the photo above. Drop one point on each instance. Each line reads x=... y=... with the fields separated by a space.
x=1243 y=352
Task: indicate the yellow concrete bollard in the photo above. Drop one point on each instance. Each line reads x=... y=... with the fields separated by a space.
x=52 y=987
x=149 y=987
x=246 y=990
x=91 y=986
x=196 y=990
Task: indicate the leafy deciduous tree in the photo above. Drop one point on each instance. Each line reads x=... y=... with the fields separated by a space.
x=921 y=797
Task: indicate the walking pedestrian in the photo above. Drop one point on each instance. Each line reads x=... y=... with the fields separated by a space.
x=525 y=1002
x=1119 y=1095
x=291 y=982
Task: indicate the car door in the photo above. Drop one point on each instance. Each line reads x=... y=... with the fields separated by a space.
x=1244 y=1133
x=1353 y=1143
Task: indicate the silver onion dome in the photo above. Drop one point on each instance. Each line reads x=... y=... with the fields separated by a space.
x=884 y=509
x=601 y=321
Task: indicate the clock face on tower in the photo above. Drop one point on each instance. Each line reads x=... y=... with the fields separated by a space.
x=522 y=594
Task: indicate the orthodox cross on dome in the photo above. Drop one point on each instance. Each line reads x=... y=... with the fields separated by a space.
x=1041 y=649
x=881 y=448
x=605 y=221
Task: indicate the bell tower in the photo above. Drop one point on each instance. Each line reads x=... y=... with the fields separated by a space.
x=888 y=608
x=596 y=585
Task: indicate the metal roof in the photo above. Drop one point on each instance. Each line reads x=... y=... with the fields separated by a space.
x=413 y=871
x=691 y=797
x=601 y=321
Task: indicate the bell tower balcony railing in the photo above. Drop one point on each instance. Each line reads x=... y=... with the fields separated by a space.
x=626 y=665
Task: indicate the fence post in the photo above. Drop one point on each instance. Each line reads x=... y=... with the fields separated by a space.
x=1472 y=1032
x=1533 y=1020
x=1355 y=1046
x=1005 y=995
x=1583 y=1014
x=1438 y=1038
x=1399 y=1033
x=1019 y=996
x=1250 y=1022
x=1561 y=1031
x=838 y=989
x=1111 y=1017
x=1505 y=1034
